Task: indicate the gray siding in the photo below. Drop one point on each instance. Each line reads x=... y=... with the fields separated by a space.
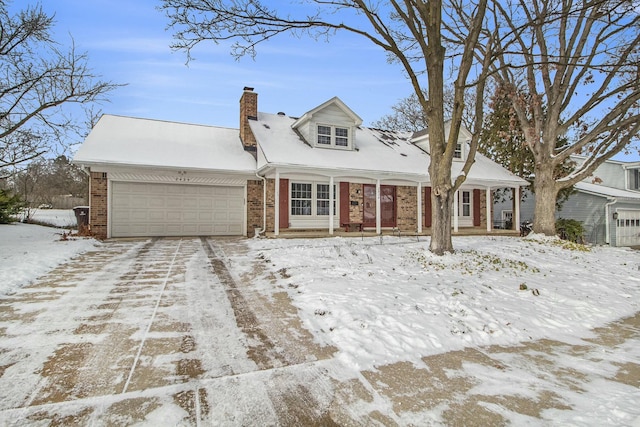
x=609 y=174
x=590 y=210
x=586 y=208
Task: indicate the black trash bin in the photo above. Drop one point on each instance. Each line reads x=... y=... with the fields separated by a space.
x=82 y=218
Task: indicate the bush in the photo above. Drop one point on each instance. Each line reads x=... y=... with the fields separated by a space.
x=570 y=229
x=9 y=206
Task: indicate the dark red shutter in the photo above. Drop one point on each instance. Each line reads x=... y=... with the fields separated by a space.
x=476 y=208
x=344 y=202
x=427 y=206
x=284 y=203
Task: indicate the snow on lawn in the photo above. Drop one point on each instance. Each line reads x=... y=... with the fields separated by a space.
x=28 y=251
x=56 y=217
x=382 y=300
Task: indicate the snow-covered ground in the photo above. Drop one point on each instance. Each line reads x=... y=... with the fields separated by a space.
x=385 y=300
x=380 y=300
x=28 y=251
x=64 y=218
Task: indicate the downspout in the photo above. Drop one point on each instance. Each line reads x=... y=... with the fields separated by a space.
x=607 y=233
x=264 y=205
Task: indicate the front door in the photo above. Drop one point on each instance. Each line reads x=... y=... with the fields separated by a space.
x=387 y=205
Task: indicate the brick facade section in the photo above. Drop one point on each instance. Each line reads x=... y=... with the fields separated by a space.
x=248 y=108
x=98 y=204
x=406 y=208
x=483 y=208
x=271 y=205
x=356 y=212
x=254 y=206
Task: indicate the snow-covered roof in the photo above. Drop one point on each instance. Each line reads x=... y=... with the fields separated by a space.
x=128 y=141
x=609 y=192
x=377 y=152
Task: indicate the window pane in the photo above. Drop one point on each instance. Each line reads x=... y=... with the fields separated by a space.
x=323 y=191
x=323 y=207
x=324 y=135
x=300 y=199
x=322 y=199
x=301 y=207
x=458 y=152
x=342 y=137
x=466 y=203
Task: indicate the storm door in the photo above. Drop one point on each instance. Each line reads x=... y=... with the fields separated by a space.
x=387 y=205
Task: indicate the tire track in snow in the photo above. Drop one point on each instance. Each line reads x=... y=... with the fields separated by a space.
x=153 y=316
x=261 y=349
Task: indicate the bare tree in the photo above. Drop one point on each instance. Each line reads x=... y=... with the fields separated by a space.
x=572 y=69
x=412 y=33
x=38 y=79
x=408 y=115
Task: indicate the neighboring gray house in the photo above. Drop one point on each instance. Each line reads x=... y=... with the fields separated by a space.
x=607 y=204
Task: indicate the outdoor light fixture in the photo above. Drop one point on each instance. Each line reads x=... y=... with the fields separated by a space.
x=615 y=215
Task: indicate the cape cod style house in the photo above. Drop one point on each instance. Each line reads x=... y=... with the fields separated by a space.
x=321 y=171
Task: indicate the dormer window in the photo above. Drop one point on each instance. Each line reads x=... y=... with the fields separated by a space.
x=333 y=136
x=457 y=154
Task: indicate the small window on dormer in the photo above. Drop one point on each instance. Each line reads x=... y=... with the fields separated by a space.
x=324 y=135
x=457 y=154
x=333 y=136
x=342 y=137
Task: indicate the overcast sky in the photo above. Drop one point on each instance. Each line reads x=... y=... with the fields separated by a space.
x=127 y=42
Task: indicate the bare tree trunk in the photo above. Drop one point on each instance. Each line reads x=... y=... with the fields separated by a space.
x=441 y=220
x=545 y=208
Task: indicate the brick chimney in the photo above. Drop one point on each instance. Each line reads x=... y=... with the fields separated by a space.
x=248 y=111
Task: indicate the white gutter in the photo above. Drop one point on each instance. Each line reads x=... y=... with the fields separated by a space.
x=607 y=235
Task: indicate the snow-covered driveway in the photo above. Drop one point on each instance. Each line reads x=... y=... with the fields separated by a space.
x=198 y=331
x=151 y=331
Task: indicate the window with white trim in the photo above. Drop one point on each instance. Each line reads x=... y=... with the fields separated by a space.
x=301 y=198
x=457 y=154
x=311 y=199
x=466 y=203
x=332 y=136
x=324 y=135
x=635 y=179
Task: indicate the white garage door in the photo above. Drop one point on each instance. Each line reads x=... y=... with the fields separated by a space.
x=140 y=209
x=628 y=228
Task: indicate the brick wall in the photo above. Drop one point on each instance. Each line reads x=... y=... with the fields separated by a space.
x=98 y=204
x=483 y=208
x=271 y=210
x=248 y=108
x=254 y=206
x=407 y=208
x=356 y=212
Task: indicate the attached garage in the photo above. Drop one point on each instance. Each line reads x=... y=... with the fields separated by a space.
x=149 y=209
x=628 y=227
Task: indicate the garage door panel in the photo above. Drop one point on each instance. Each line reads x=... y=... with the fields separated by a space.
x=628 y=227
x=142 y=209
x=175 y=216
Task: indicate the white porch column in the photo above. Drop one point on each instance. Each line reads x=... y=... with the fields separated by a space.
x=331 y=204
x=378 y=210
x=419 y=207
x=276 y=205
x=516 y=214
x=488 y=208
x=455 y=211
